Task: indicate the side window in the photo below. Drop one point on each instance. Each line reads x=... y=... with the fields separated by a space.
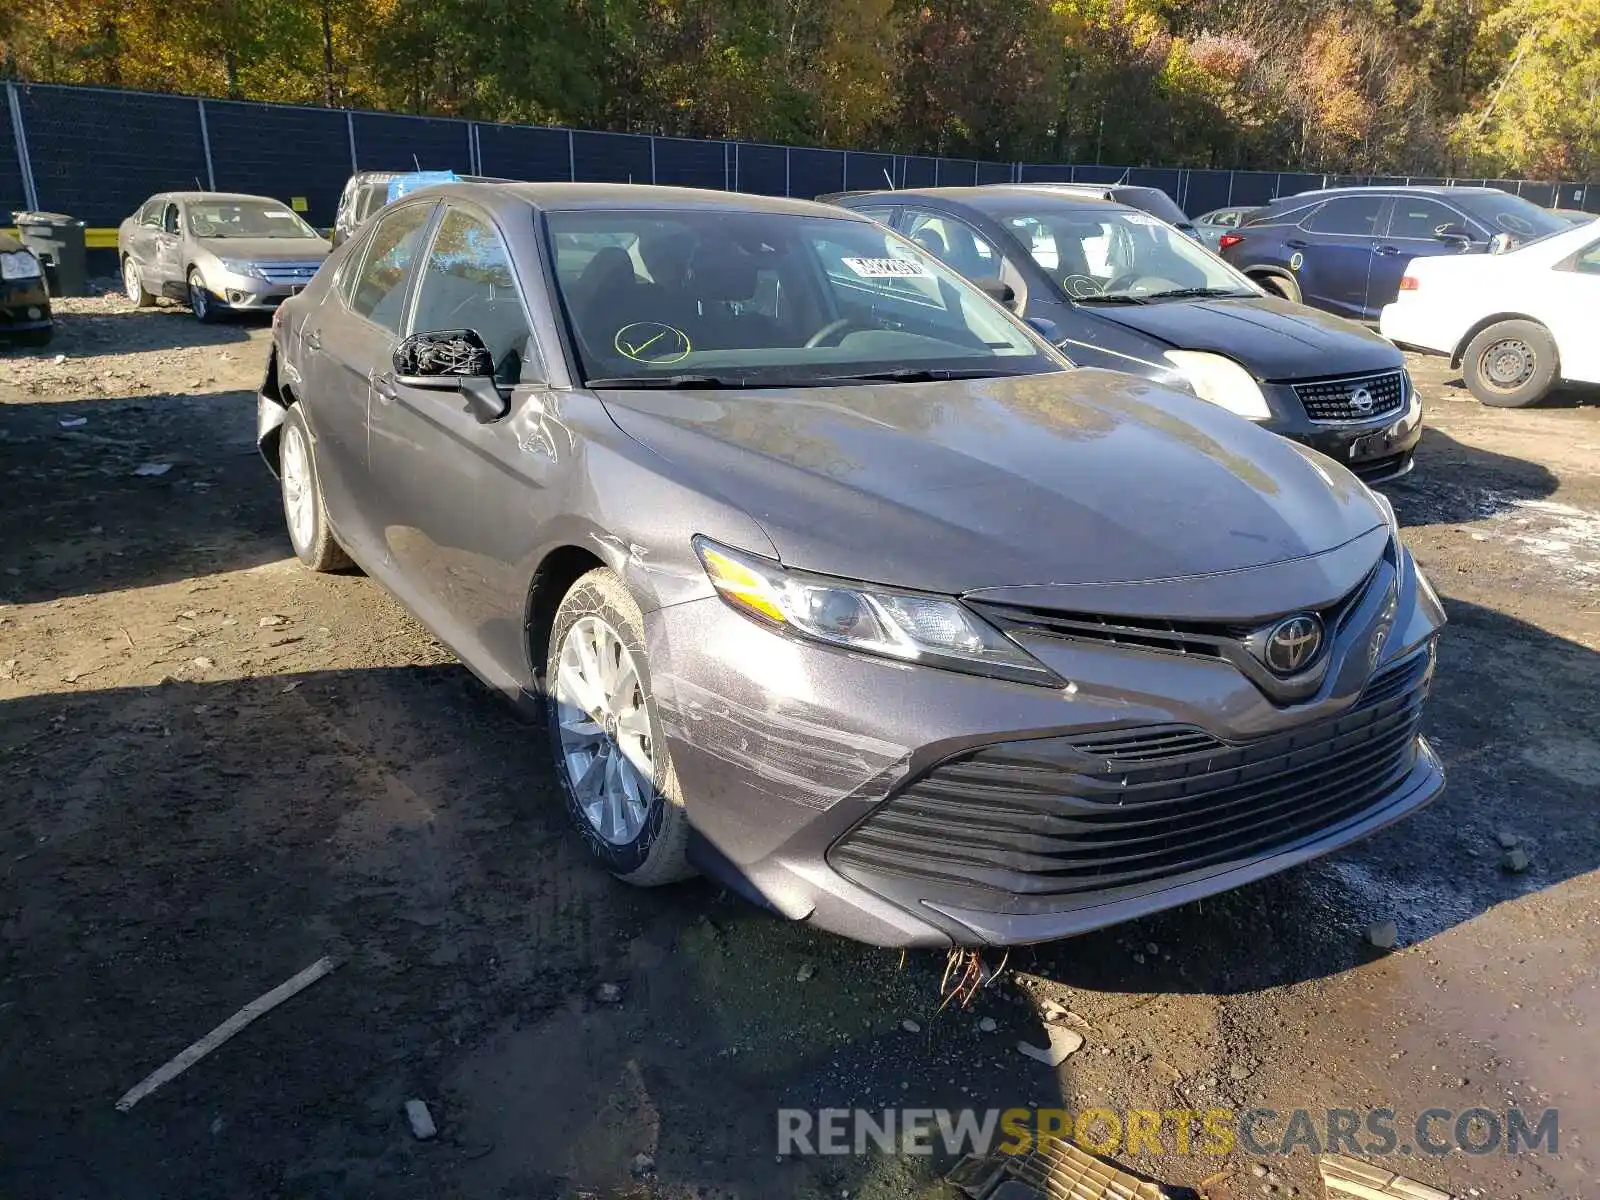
x=956 y=243
x=882 y=215
x=1228 y=219
x=1357 y=215
x=1421 y=218
x=169 y=218
x=150 y=214
x=467 y=284
x=380 y=285
x=1588 y=261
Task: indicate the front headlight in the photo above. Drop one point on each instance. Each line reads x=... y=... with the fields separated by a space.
x=930 y=630
x=19 y=264
x=1221 y=381
x=234 y=266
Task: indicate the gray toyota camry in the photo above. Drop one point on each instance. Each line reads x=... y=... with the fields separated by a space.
x=831 y=579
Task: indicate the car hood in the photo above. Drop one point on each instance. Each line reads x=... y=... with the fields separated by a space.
x=1273 y=338
x=1068 y=477
x=267 y=249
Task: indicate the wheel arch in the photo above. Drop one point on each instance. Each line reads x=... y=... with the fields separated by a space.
x=560 y=568
x=1460 y=351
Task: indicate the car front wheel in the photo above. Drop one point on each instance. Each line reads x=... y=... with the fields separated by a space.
x=201 y=302
x=1511 y=364
x=303 y=511
x=605 y=733
x=133 y=284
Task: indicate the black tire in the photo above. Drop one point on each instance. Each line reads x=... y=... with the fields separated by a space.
x=206 y=308
x=314 y=543
x=658 y=854
x=1279 y=285
x=133 y=284
x=1511 y=364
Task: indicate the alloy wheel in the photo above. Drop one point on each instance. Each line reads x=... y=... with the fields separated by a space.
x=132 y=286
x=607 y=740
x=299 y=497
x=199 y=301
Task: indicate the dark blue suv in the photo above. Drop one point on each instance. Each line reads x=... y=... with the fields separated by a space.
x=1345 y=249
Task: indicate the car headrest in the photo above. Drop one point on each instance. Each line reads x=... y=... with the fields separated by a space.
x=930 y=241
x=721 y=273
x=609 y=268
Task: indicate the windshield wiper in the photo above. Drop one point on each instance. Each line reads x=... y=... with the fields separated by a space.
x=912 y=375
x=1110 y=298
x=671 y=381
x=1195 y=293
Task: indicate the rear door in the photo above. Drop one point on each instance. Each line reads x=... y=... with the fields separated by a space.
x=1332 y=254
x=1418 y=227
x=1574 y=298
x=349 y=341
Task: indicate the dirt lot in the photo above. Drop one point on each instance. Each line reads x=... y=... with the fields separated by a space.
x=218 y=768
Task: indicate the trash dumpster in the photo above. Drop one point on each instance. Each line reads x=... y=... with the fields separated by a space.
x=58 y=240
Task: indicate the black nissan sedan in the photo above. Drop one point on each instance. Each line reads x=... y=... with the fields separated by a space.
x=1116 y=287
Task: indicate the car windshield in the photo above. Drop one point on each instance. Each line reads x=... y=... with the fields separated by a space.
x=1503 y=213
x=716 y=298
x=1097 y=255
x=245 y=219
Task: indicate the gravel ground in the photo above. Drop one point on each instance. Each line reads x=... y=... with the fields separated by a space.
x=218 y=768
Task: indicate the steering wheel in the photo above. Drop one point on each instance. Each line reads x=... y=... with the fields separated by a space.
x=833 y=332
x=1129 y=281
x=1079 y=286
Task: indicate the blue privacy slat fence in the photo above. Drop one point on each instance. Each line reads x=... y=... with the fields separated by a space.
x=97 y=153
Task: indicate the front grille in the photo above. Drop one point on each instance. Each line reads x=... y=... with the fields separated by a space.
x=1214 y=639
x=1332 y=399
x=287 y=273
x=1055 y=823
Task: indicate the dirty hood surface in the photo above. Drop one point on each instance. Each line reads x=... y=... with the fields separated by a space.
x=1275 y=339
x=1069 y=477
x=267 y=249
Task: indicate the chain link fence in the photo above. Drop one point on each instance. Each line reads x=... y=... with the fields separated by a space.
x=98 y=153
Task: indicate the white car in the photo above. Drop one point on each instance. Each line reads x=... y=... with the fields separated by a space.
x=1515 y=323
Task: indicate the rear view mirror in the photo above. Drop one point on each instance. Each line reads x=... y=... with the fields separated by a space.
x=997 y=290
x=1045 y=328
x=452 y=360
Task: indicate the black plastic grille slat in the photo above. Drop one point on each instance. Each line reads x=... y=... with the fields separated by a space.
x=1329 y=399
x=1023 y=822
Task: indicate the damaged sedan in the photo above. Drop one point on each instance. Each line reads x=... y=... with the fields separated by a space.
x=831 y=579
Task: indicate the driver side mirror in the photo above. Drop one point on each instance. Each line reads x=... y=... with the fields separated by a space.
x=1500 y=243
x=452 y=360
x=997 y=290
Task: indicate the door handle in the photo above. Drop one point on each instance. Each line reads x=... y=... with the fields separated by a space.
x=313 y=340
x=1389 y=250
x=1295 y=244
x=383 y=387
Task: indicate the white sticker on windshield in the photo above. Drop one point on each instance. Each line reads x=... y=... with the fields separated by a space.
x=1140 y=218
x=888 y=268
x=284 y=215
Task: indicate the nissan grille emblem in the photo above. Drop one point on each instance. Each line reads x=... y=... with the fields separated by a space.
x=1292 y=644
x=1361 y=400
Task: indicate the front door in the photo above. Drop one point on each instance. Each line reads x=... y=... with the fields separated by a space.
x=167 y=242
x=1332 y=255
x=348 y=344
x=461 y=503
x=1419 y=227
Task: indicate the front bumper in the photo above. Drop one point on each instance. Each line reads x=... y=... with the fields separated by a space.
x=1376 y=451
x=24 y=305
x=805 y=771
x=246 y=293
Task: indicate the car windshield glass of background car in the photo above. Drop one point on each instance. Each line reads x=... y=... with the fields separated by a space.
x=245 y=219
x=1117 y=253
x=1503 y=213
x=757 y=299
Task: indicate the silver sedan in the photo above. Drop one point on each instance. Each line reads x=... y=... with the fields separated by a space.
x=217 y=251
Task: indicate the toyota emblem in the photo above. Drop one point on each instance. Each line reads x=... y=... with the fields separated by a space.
x=1361 y=400
x=1292 y=644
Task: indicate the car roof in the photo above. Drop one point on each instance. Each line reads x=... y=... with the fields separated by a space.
x=569 y=197
x=984 y=196
x=213 y=196
x=1420 y=189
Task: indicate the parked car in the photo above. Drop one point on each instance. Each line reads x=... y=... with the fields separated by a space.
x=1118 y=288
x=832 y=579
x=24 y=299
x=219 y=251
x=1212 y=225
x=1147 y=199
x=1515 y=323
x=366 y=192
x=1345 y=249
